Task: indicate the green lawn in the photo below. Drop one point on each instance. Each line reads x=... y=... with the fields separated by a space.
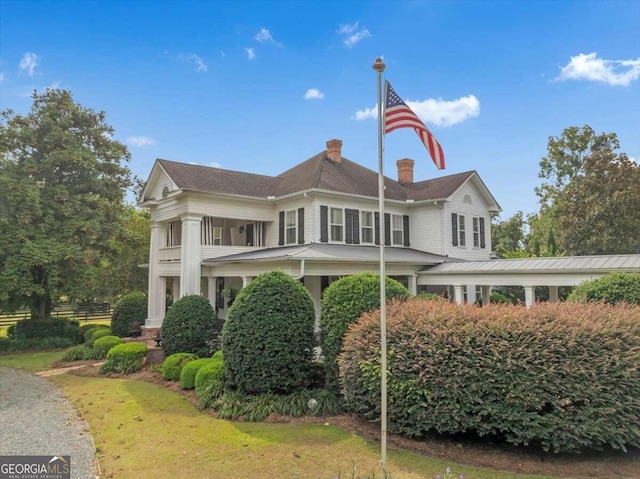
x=142 y=430
x=31 y=361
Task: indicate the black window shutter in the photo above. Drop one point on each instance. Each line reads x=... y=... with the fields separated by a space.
x=355 y=216
x=376 y=227
x=324 y=227
x=483 y=244
x=387 y=229
x=405 y=228
x=454 y=229
x=300 y=225
x=281 y=229
x=348 y=226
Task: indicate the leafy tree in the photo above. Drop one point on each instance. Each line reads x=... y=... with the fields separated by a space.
x=600 y=209
x=565 y=159
x=507 y=236
x=62 y=185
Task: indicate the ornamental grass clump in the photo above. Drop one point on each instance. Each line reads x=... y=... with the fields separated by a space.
x=560 y=376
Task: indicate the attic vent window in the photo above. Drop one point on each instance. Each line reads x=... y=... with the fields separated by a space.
x=165 y=191
x=466 y=200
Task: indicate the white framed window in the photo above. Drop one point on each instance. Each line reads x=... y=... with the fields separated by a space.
x=397 y=232
x=366 y=226
x=476 y=233
x=462 y=239
x=174 y=233
x=336 y=223
x=291 y=227
x=217 y=235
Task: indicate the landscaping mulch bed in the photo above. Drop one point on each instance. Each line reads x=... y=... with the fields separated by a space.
x=605 y=465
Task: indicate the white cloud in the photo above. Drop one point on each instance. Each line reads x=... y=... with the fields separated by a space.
x=437 y=112
x=353 y=33
x=198 y=62
x=313 y=94
x=214 y=164
x=251 y=54
x=140 y=141
x=29 y=62
x=264 y=36
x=612 y=72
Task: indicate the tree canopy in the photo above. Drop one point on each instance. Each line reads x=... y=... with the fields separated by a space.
x=62 y=185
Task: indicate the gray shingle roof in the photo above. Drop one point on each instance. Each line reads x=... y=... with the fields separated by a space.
x=318 y=172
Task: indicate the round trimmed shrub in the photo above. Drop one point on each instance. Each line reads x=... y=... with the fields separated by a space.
x=189 y=327
x=559 y=376
x=211 y=372
x=125 y=358
x=129 y=314
x=267 y=339
x=97 y=334
x=343 y=302
x=103 y=344
x=172 y=365
x=190 y=370
x=611 y=288
x=88 y=332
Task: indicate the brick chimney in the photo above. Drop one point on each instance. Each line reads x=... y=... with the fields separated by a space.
x=405 y=171
x=334 y=151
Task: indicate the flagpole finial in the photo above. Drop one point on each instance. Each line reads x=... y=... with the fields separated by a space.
x=378 y=65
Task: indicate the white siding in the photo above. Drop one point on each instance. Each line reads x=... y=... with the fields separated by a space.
x=477 y=208
x=426 y=231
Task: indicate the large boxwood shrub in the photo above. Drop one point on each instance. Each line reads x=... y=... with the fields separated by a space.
x=611 y=288
x=172 y=365
x=125 y=358
x=189 y=327
x=267 y=339
x=190 y=370
x=560 y=376
x=343 y=302
x=103 y=344
x=129 y=314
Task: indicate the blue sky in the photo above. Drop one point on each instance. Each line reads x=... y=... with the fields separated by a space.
x=260 y=86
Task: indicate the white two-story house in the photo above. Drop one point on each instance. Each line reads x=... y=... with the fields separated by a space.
x=213 y=230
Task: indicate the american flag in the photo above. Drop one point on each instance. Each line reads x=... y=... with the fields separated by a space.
x=398 y=115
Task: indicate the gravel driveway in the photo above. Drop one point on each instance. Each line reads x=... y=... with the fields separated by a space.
x=36 y=419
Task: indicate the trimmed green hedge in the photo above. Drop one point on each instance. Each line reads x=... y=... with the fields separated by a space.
x=267 y=338
x=172 y=365
x=190 y=370
x=97 y=334
x=103 y=344
x=189 y=327
x=129 y=314
x=9 y=345
x=88 y=332
x=343 y=302
x=125 y=358
x=612 y=288
x=560 y=376
x=45 y=328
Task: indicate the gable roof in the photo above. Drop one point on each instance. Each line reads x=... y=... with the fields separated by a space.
x=319 y=173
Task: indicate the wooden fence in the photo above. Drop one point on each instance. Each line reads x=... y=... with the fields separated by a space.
x=82 y=314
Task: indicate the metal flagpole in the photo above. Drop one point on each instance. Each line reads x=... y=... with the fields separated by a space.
x=378 y=66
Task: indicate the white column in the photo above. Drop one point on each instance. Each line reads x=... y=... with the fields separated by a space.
x=175 y=288
x=156 y=299
x=246 y=280
x=312 y=283
x=471 y=293
x=553 y=294
x=190 y=255
x=458 y=297
x=529 y=296
x=211 y=291
x=413 y=283
x=486 y=294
